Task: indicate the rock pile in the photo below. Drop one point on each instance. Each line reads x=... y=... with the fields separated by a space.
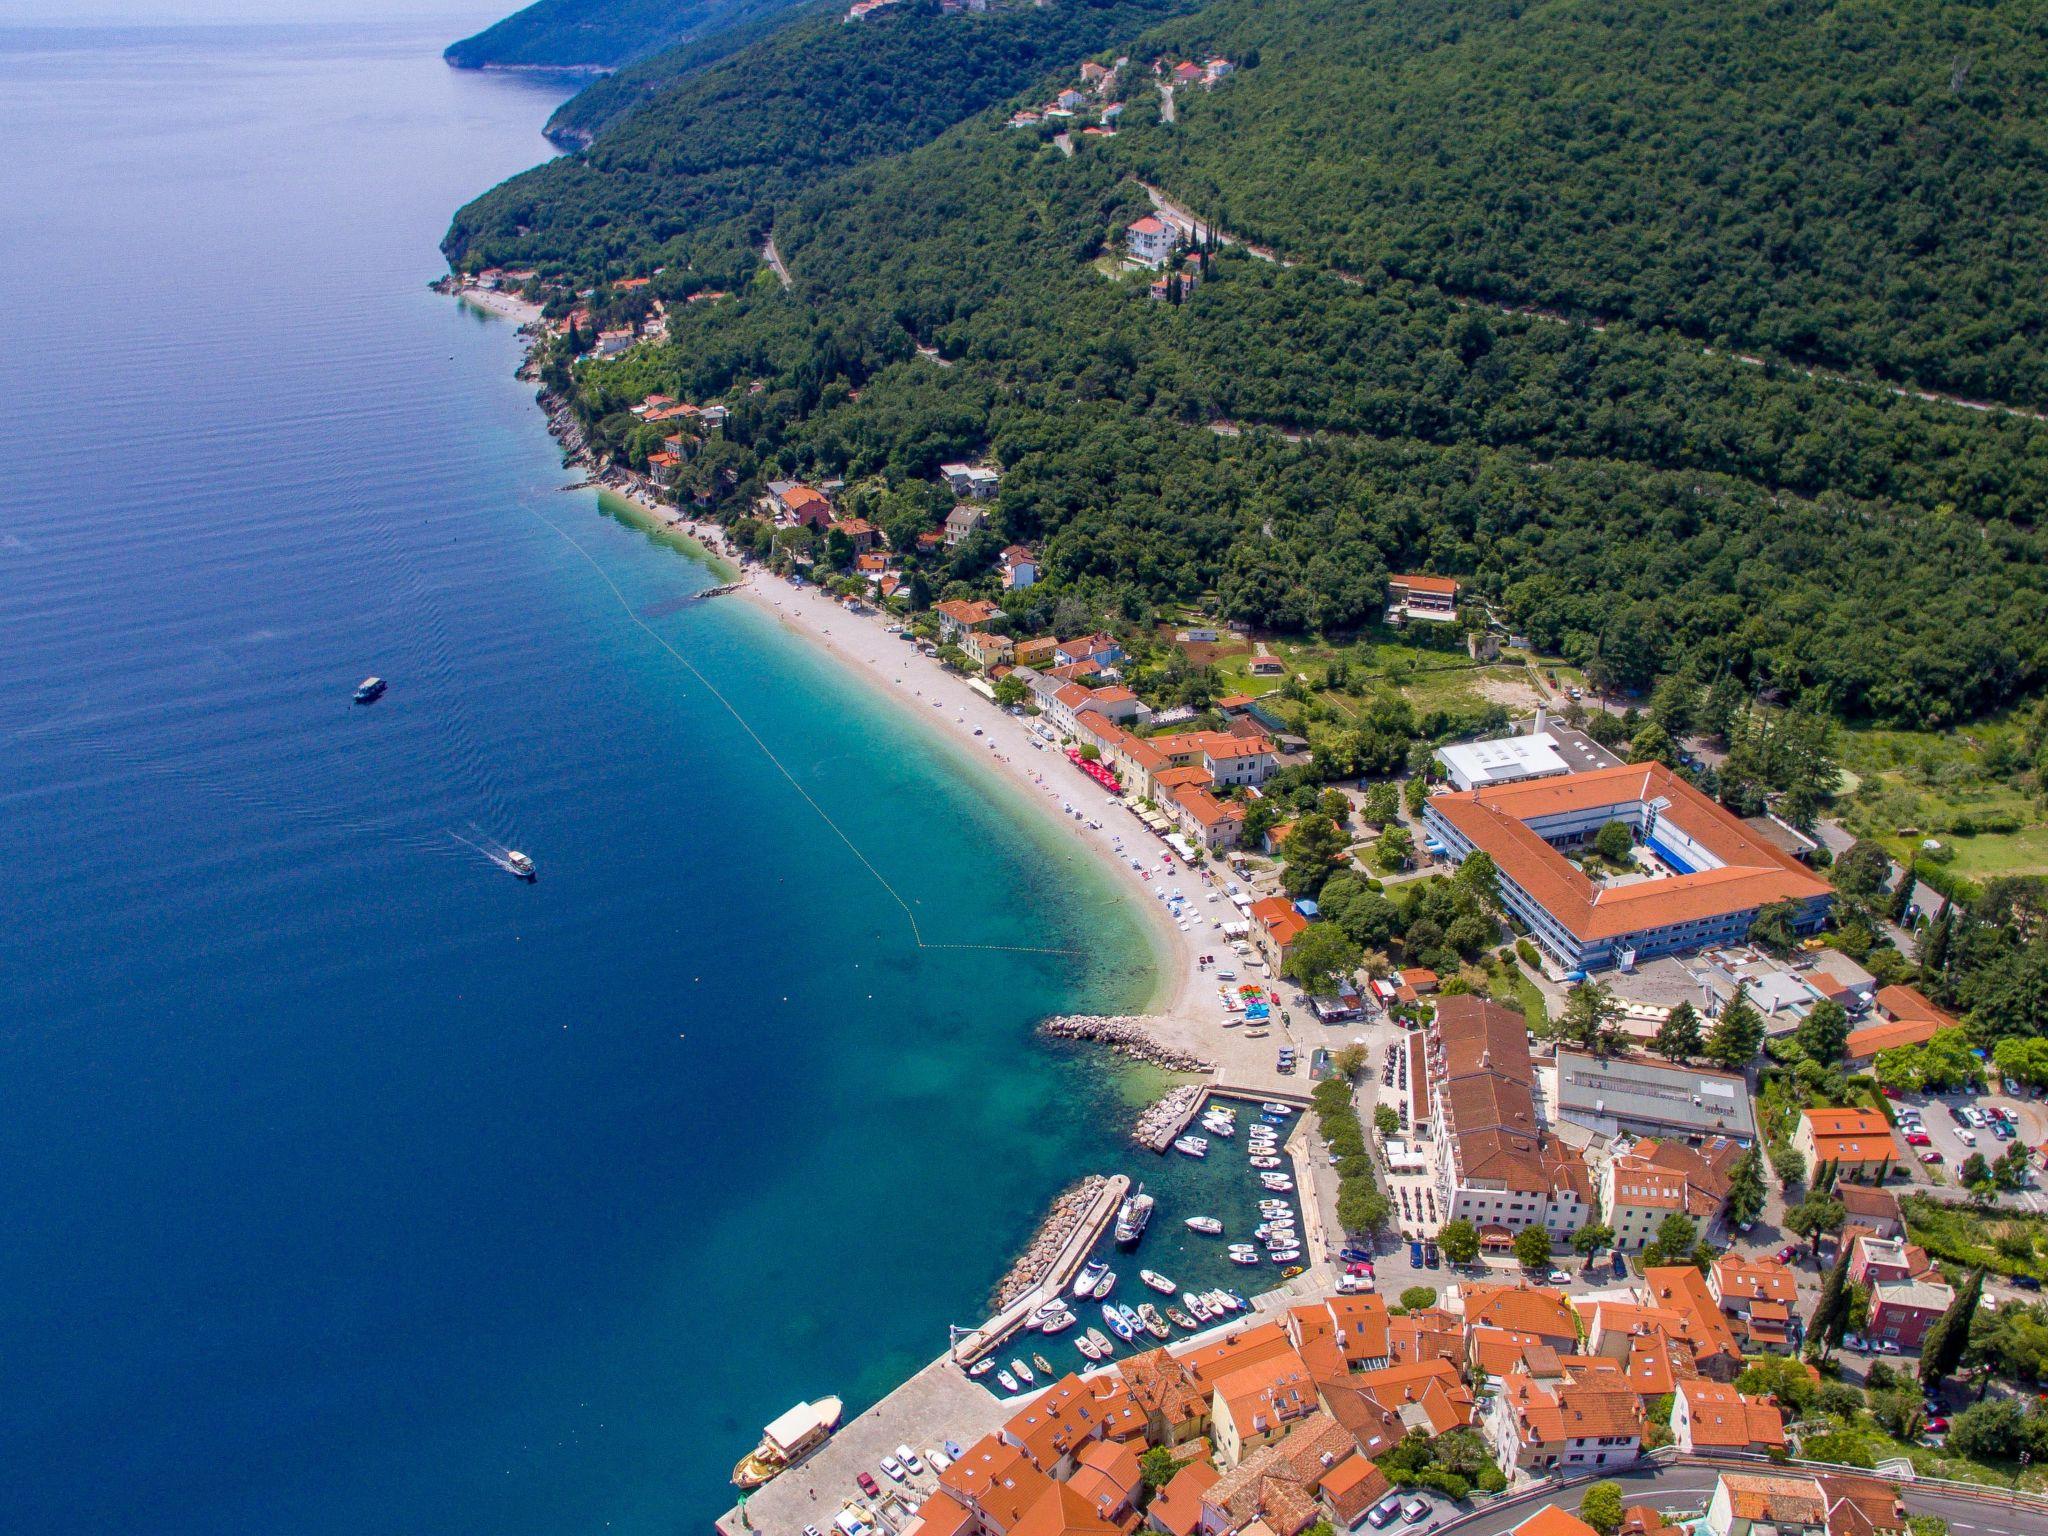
x=1162 y=1121
x=1128 y=1035
x=1066 y=1214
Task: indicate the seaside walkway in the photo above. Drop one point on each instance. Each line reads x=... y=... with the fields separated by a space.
x=970 y=1347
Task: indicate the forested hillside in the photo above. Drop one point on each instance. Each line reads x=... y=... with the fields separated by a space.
x=737 y=138
x=1862 y=183
x=598 y=34
x=1282 y=437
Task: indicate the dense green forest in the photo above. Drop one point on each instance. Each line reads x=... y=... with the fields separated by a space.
x=599 y=34
x=741 y=136
x=1279 y=439
x=1858 y=182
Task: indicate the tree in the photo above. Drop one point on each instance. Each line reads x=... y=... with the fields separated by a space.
x=1394 y=849
x=1323 y=955
x=1782 y=1378
x=1459 y=1240
x=1902 y=895
x=1653 y=744
x=1590 y=1239
x=1775 y=927
x=1010 y=690
x=1673 y=1244
x=1416 y=1297
x=1975 y=1170
x=1737 y=1035
x=1601 y=1507
x=1479 y=875
x=1388 y=1122
x=1746 y=1194
x=1614 y=842
x=1532 y=1247
x=1589 y=1011
x=1815 y=1216
x=1158 y=1467
x=1831 y=1312
x=1824 y=1033
x=1678 y=1037
x=1863 y=870
x=1941 y=1350
x=1314 y=849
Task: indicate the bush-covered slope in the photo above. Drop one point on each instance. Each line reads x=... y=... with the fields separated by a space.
x=1859 y=182
x=738 y=137
x=597 y=34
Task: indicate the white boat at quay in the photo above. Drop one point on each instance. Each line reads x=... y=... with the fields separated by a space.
x=1091 y=1276
x=1022 y=1372
x=1191 y=1146
x=1053 y=1317
x=1208 y=1224
x=1197 y=1308
x=1157 y=1281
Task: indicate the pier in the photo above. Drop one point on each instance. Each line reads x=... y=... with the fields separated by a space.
x=970 y=1347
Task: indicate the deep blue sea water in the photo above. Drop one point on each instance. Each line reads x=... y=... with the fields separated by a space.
x=346 y=1184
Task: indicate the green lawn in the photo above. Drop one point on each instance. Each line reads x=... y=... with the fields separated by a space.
x=1902 y=786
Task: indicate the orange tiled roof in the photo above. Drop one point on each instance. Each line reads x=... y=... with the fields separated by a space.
x=1553 y=1521
x=1889 y=1036
x=1723 y=1419
x=1178 y=1508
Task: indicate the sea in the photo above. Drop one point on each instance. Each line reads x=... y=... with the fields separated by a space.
x=347 y=1183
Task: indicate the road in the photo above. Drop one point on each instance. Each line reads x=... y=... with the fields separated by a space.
x=774 y=259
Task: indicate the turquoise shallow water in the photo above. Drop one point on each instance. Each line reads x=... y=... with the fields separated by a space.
x=349 y=1185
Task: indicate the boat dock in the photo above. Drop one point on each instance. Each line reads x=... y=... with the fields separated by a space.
x=971 y=1346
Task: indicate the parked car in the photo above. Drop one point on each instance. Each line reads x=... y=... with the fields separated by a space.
x=1354 y=1285
x=1918 y=1139
x=894 y=1468
x=1930 y=1157
x=2026 y=1282
x=1937 y=1426
x=1429 y=1255
x=1354 y=1255
x=937 y=1459
x=868 y=1485
x=1967 y=1138
x=1558 y=1277
x=1414 y=1510
x=1786 y=1254
x=2001 y=1130
x=909 y=1459
x=1382 y=1514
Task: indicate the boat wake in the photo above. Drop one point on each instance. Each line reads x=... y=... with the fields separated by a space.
x=511 y=862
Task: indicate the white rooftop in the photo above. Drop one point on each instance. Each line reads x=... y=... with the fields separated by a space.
x=1503 y=760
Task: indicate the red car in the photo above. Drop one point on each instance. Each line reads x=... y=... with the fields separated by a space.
x=1787 y=1253
x=1918 y=1139
x=1357 y=1269
x=1889 y=1091
x=1930 y=1157
x=868 y=1485
x=1937 y=1425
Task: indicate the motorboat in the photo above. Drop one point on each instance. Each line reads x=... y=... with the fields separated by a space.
x=1181 y=1320
x=1291 y=1271
x=1157 y=1281
x=1101 y=1342
x=1054 y=1317
x=1191 y=1146
x=1022 y=1372
x=1154 y=1323
x=1131 y=1320
x=370 y=690
x=519 y=864
x=1090 y=1276
x=1230 y=1301
x=1272 y=1108
x=1201 y=1309
x=1042 y=1365
x=1007 y=1381
x=1106 y=1284
x=982 y=1367
x=1132 y=1216
x=1207 y=1224
x=1269 y=1206
x=1113 y=1318
x=1221 y=1128
x=1087 y=1347
x=1278 y=1182
x=1265 y=1162
x=1284 y=1255
x=1247 y=1258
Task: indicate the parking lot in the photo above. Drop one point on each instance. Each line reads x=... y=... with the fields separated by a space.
x=1943 y=1130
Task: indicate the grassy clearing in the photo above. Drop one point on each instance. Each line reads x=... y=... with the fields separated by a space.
x=1969 y=789
x=2004 y=1242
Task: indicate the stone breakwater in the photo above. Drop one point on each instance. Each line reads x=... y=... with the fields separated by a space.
x=1127 y=1035
x=1163 y=1119
x=1066 y=1214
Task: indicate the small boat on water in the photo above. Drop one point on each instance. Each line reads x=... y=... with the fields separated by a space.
x=1114 y=1318
x=1249 y=1257
x=370 y=690
x=1086 y=1344
x=1154 y=1323
x=1106 y=1284
x=1197 y=1306
x=1053 y=1317
x=1090 y=1276
x=1265 y=1162
x=1100 y=1340
x=1131 y=1320
x=1228 y=1301
x=1042 y=1365
x=1270 y=1107
x=787 y=1440
x=1157 y=1281
x=519 y=864
x=1290 y=1272
x=982 y=1367
x=1007 y=1381
x=1022 y=1372
x=1132 y=1216
x=1191 y=1146
x=1277 y=1182
x=1181 y=1320
x=1207 y=1224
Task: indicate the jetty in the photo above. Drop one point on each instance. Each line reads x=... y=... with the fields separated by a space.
x=971 y=1344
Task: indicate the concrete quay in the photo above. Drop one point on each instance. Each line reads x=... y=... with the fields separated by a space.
x=992 y=1334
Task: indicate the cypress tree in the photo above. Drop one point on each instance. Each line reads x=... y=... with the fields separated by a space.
x=1942 y=1350
x=1902 y=896
x=1935 y=960
x=1831 y=1312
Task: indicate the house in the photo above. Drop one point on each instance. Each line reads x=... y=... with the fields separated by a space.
x=1254 y=1405
x=1709 y=877
x=1709 y=1417
x=1792 y=1504
x=1275 y=927
x=1643 y=1096
x=859 y=532
x=1904 y=1017
x=1495 y=1166
x=987 y=648
x=1100 y=648
x=790 y=503
x=995 y=1482
x=1020 y=568
x=1434 y=598
x=612 y=343
x=1151 y=240
x=1554 y=1520
x=1217 y=68
x=1107 y=1479
x=1901 y=1311
x=973 y=482
x=1177 y=1508
x=958 y=615
x=1036 y=653
x=1856 y=1141
x=1217 y=825
x=1758 y=1297
x=664 y=467
x=1683 y=1290
x=963 y=522
x=1276 y=1487
x=1875 y=1211
x=1187 y=74
x=1550 y=1417
x=1873 y=1260
x=1645 y=1181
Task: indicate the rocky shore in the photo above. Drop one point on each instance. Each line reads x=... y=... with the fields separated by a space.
x=1066 y=1214
x=1164 y=1117
x=1127 y=1035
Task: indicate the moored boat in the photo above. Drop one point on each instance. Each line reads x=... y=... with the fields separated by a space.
x=1191 y=1146
x=1181 y=1320
x=1274 y=1107
x=1042 y=1365
x=1007 y=1381
x=1131 y=1320
x=1154 y=1323
x=1247 y=1258
x=1132 y=1216
x=1265 y=1162
x=1053 y=1317
x=1207 y=1224
x=1021 y=1371
x=1106 y=1284
x=1090 y=1276
x=788 y=1439
x=1086 y=1344
x=1100 y=1340
x=1113 y=1318
x=982 y=1367
x=1197 y=1306
x=1157 y=1281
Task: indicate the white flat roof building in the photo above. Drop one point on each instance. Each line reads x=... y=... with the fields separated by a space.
x=1503 y=760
